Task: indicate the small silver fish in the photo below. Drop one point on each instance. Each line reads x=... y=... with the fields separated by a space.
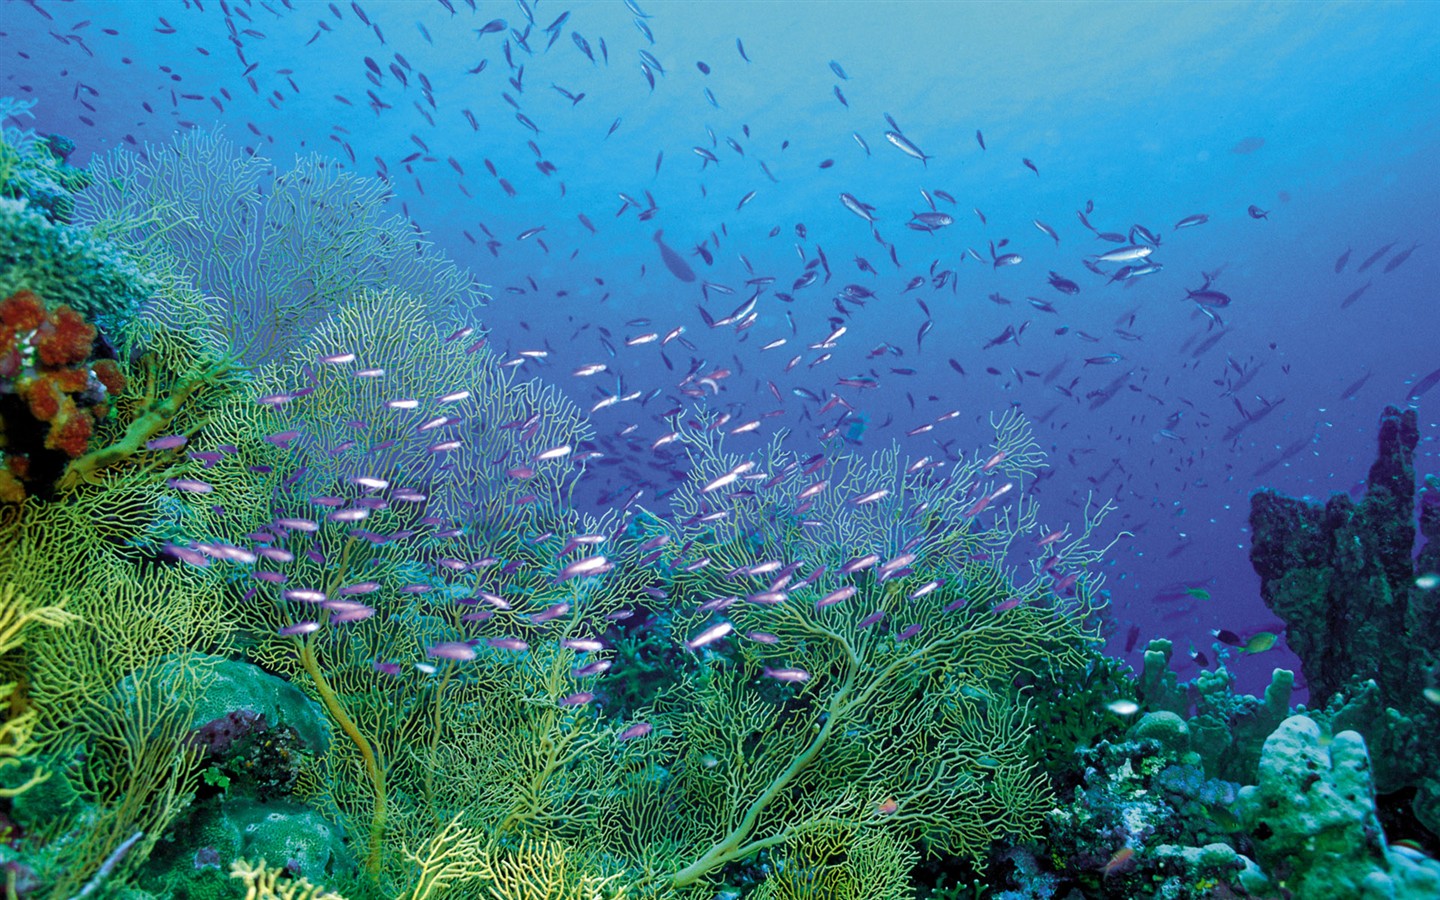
x=906 y=146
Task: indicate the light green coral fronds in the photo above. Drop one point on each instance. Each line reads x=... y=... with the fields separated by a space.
x=263 y=882
x=17 y=617
x=842 y=864
x=271 y=253
x=428 y=411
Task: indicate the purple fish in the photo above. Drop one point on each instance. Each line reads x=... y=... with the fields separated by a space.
x=453 y=650
x=639 y=729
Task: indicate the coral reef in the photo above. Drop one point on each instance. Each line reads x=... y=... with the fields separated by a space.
x=1346 y=580
x=39 y=249
x=265 y=883
x=337 y=614
x=258 y=259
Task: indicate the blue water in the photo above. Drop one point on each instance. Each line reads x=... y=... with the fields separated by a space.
x=1325 y=116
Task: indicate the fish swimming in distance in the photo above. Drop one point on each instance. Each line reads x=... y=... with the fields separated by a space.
x=1373 y=258
x=1399 y=258
x=1248 y=145
x=1062 y=284
x=673 y=261
x=933 y=219
x=863 y=210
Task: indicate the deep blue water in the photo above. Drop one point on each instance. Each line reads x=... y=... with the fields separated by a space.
x=1324 y=116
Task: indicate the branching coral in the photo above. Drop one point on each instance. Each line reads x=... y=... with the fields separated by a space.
x=843 y=864
x=418 y=405
x=847 y=684
x=138 y=771
x=265 y=883
x=17 y=616
x=543 y=870
x=381 y=551
x=270 y=254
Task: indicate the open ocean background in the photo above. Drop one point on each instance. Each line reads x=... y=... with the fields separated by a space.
x=1324 y=116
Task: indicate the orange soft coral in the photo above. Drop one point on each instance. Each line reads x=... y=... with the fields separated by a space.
x=22 y=311
x=70 y=381
x=44 y=398
x=109 y=374
x=10 y=359
x=65 y=339
x=70 y=430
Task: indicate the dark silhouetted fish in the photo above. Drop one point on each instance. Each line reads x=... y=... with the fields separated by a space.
x=1354 y=389
x=1400 y=258
x=1373 y=258
x=583 y=44
x=673 y=261
x=1340 y=263
x=1248 y=146
x=1423 y=385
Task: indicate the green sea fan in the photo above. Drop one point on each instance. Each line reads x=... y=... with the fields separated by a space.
x=272 y=254
x=436 y=413
x=837 y=502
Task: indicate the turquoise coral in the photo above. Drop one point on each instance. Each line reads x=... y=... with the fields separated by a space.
x=1313 y=821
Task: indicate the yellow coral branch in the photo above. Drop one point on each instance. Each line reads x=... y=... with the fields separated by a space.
x=454 y=854
x=17 y=732
x=263 y=883
x=86 y=469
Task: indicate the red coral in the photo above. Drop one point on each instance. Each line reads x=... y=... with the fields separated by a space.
x=19 y=465
x=44 y=398
x=66 y=339
x=55 y=384
x=70 y=431
x=22 y=311
x=108 y=371
x=70 y=381
x=9 y=352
